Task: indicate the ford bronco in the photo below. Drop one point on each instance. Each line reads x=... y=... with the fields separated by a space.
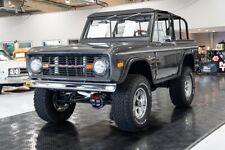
x=122 y=57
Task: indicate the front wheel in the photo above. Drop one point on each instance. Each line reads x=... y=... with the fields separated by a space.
x=131 y=105
x=49 y=108
x=182 y=89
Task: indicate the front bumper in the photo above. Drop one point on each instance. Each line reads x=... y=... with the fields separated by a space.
x=74 y=86
x=14 y=80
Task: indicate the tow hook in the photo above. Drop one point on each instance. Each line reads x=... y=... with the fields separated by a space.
x=97 y=100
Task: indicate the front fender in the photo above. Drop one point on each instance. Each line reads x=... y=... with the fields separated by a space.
x=128 y=66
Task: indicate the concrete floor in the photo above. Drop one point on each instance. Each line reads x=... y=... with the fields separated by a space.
x=15 y=103
x=171 y=128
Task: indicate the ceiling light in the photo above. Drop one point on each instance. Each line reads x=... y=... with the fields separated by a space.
x=89 y=1
x=213 y=31
x=207 y=30
x=67 y=1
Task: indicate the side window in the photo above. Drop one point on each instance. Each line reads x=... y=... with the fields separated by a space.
x=163 y=29
x=180 y=29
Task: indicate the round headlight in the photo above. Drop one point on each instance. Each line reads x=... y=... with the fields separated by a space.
x=100 y=66
x=36 y=65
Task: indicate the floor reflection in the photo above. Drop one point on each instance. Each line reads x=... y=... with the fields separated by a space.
x=62 y=136
x=171 y=128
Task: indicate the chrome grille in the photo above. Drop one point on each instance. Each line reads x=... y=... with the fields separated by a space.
x=68 y=66
x=23 y=71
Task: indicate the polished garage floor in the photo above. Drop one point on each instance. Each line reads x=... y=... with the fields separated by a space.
x=88 y=128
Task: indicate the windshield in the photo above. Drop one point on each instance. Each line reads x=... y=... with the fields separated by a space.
x=136 y=25
x=4 y=56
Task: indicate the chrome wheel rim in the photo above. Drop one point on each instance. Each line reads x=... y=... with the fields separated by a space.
x=139 y=103
x=60 y=107
x=188 y=86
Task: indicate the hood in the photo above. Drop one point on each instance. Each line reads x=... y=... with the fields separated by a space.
x=78 y=48
x=85 y=48
x=12 y=64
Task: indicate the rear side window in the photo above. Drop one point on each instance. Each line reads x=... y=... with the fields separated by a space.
x=180 y=29
x=163 y=29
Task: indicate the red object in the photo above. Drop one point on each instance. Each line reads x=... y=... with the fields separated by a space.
x=94 y=97
x=215 y=58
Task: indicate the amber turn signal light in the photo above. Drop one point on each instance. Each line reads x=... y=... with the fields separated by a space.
x=45 y=66
x=89 y=67
x=120 y=65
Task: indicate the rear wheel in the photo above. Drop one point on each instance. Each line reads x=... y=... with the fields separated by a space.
x=131 y=105
x=182 y=89
x=49 y=108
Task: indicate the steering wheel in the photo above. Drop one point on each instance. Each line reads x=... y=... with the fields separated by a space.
x=140 y=33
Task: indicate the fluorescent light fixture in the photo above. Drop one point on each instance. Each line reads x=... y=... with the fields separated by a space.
x=67 y=1
x=89 y=1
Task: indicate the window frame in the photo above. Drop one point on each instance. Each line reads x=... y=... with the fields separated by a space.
x=170 y=18
x=90 y=19
x=180 y=28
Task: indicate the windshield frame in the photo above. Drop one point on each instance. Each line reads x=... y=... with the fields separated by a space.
x=136 y=38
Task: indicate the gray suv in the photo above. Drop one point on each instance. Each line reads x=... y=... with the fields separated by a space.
x=122 y=57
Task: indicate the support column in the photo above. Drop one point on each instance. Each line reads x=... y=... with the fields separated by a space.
x=211 y=35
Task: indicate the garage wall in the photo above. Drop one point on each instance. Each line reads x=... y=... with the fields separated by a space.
x=198 y=13
x=218 y=37
x=36 y=28
x=208 y=40
x=202 y=39
x=69 y=25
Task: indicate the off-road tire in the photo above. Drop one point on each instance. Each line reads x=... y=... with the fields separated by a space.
x=122 y=104
x=177 y=89
x=45 y=108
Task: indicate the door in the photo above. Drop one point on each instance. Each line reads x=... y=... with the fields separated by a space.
x=167 y=52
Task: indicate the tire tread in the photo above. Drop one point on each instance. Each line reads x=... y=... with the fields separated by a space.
x=45 y=110
x=121 y=104
x=176 y=90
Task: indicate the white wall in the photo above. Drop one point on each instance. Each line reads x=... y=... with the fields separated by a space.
x=69 y=25
x=36 y=28
x=198 y=13
x=205 y=39
x=205 y=14
x=218 y=37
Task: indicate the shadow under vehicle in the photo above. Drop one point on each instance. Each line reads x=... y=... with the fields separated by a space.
x=122 y=57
